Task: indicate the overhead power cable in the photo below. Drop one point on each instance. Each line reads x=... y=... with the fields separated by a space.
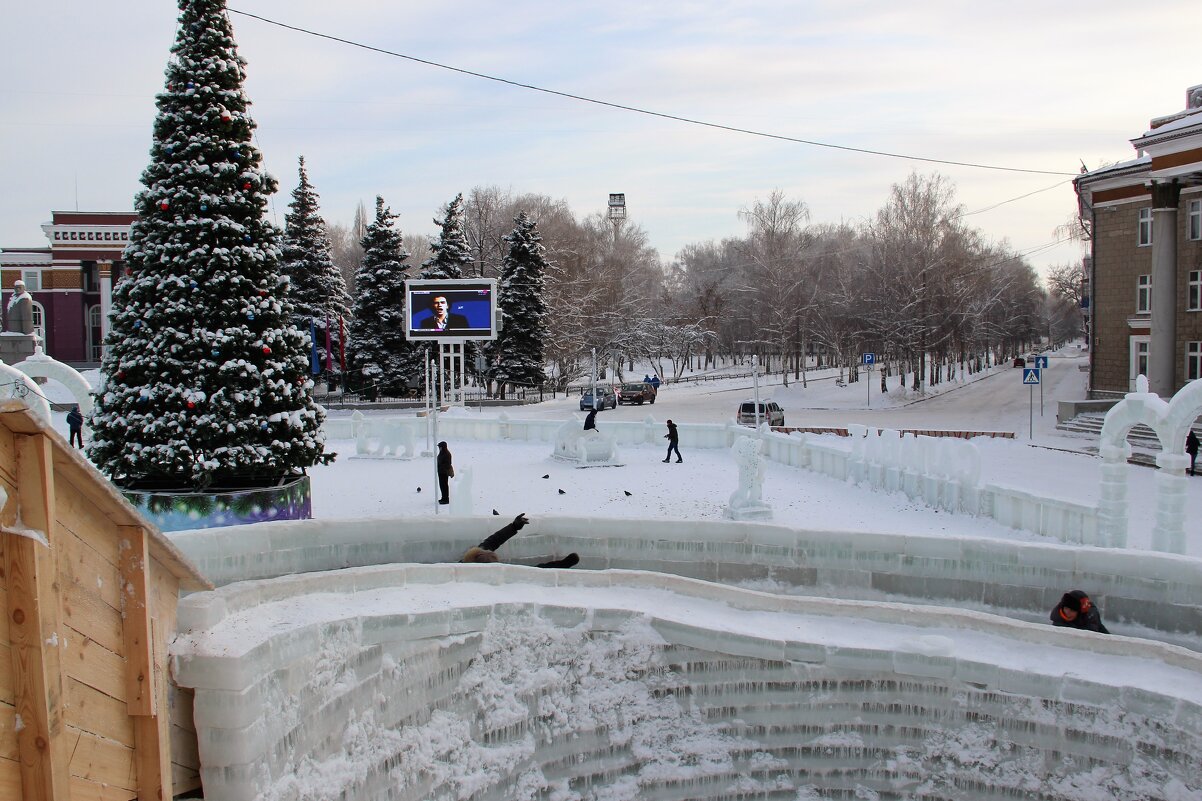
x=637 y=110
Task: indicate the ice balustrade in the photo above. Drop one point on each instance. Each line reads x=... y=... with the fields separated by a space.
x=500 y=682
x=942 y=472
x=1141 y=593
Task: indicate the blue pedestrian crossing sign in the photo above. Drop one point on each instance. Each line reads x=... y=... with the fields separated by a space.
x=1041 y=362
x=1031 y=375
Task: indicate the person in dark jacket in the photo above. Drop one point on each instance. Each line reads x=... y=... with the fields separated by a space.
x=75 y=427
x=590 y=422
x=673 y=443
x=1076 y=611
x=1191 y=447
x=486 y=551
x=446 y=471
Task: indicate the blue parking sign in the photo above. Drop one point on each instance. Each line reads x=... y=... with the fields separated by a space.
x=869 y=358
x=1031 y=375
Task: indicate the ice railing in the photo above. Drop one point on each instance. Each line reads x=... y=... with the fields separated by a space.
x=941 y=472
x=1141 y=593
x=501 y=682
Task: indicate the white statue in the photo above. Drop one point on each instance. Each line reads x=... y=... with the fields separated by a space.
x=18 y=313
x=746 y=502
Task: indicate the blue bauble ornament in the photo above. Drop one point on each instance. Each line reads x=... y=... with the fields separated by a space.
x=264 y=425
x=216 y=353
x=250 y=315
x=246 y=238
x=204 y=207
x=137 y=323
x=192 y=284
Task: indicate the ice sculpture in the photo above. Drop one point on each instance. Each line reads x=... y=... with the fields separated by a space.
x=746 y=502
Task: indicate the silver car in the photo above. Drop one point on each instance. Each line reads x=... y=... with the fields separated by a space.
x=770 y=413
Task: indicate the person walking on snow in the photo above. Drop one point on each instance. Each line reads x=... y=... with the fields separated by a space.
x=1077 y=611
x=1191 y=447
x=673 y=443
x=486 y=552
x=75 y=427
x=446 y=471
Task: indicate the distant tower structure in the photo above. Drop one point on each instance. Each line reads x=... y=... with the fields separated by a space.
x=617 y=211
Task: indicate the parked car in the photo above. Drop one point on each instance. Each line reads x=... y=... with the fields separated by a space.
x=1020 y=362
x=606 y=398
x=770 y=412
x=639 y=392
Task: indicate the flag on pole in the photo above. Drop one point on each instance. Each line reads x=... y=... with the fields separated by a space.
x=314 y=366
x=341 y=344
x=329 y=355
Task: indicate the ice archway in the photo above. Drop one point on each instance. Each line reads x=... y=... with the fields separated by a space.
x=1170 y=421
x=40 y=365
x=19 y=385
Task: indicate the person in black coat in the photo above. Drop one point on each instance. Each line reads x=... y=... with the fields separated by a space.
x=446 y=471
x=486 y=551
x=1076 y=611
x=75 y=427
x=1191 y=447
x=590 y=422
x=673 y=443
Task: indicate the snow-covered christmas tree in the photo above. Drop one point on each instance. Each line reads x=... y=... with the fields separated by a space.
x=206 y=380
x=316 y=287
x=382 y=357
x=451 y=250
x=518 y=351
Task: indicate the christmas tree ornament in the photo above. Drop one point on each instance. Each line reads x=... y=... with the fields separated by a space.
x=164 y=205
x=266 y=350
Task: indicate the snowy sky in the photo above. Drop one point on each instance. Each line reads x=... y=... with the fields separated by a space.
x=1023 y=84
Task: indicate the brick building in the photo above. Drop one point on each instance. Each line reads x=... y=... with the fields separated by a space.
x=1146 y=274
x=71 y=280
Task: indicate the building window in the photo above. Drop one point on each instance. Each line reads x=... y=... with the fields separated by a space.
x=1193 y=224
x=1143 y=295
x=38 y=317
x=33 y=280
x=1193 y=361
x=1145 y=226
x=1193 y=291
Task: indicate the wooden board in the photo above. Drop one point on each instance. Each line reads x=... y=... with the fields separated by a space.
x=35 y=622
x=104 y=761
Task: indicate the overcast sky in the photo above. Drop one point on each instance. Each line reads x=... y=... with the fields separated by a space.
x=1028 y=85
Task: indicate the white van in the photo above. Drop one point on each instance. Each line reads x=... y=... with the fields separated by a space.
x=770 y=413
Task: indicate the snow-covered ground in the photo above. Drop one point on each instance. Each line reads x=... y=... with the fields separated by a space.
x=508 y=477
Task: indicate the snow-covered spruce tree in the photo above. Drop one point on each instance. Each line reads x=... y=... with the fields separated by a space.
x=382 y=356
x=451 y=250
x=315 y=285
x=519 y=348
x=206 y=380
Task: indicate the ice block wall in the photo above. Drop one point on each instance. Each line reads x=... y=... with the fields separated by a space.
x=1140 y=593
x=503 y=682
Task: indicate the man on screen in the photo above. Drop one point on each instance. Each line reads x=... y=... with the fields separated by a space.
x=442 y=319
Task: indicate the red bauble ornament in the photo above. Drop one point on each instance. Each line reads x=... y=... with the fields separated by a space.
x=266 y=350
x=164 y=205
x=121 y=376
x=262 y=293
x=225 y=116
x=191 y=405
x=246 y=185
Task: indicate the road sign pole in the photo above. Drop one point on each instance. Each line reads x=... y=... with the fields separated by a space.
x=1031 y=411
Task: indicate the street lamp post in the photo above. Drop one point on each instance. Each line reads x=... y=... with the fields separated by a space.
x=755 y=383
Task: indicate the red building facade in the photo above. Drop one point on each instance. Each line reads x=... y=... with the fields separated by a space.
x=71 y=280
